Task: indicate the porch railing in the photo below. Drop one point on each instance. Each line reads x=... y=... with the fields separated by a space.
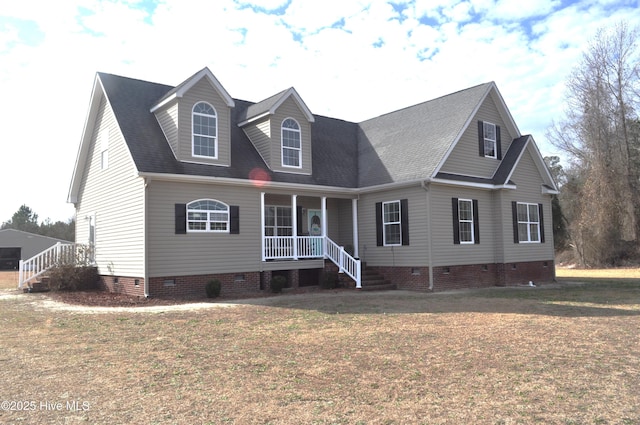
x=59 y=254
x=300 y=247
x=346 y=263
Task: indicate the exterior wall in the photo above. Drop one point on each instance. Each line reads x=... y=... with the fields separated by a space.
x=464 y=158
x=233 y=284
x=289 y=109
x=168 y=120
x=115 y=197
x=260 y=135
x=445 y=252
x=528 y=182
x=203 y=91
x=413 y=255
x=123 y=285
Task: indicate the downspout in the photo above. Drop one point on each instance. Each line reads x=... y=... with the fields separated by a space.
x=144 y=247
x=425 y=186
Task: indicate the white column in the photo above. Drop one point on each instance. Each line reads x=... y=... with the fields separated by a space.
x=354 y=212
x=324 y=225
x=294 y=218
x=262 y=225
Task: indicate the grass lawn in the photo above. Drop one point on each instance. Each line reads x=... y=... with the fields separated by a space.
x=557 y=354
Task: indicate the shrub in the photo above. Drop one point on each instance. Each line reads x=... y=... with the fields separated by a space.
x=277 y=283
x=329 y=280
x=213 y=288
x=73 y=278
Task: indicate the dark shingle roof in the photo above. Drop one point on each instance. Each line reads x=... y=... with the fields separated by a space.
x=333 y=152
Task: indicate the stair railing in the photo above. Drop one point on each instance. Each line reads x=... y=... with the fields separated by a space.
x=346 y=263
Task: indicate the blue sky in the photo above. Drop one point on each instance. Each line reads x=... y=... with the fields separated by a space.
x=349 y=59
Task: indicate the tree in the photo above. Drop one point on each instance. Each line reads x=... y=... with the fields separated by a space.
x=24 y=219
x=560 y=233
x=600 y=136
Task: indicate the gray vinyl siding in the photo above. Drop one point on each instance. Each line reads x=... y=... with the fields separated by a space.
x=413 y=255
x=464 y=158
x=168 y=120
x=260 y=135
x=528 y=181
x=116 y=197
x=445 y=252
x=173 y=254
x=203 y=91
x=289 y=109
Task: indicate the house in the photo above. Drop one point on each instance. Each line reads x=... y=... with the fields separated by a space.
x=174 y=186
x=16 y=245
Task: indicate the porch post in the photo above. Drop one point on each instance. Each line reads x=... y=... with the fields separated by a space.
x=294 y=218
x=262 y=224
x=323 y=207
x=354 y=212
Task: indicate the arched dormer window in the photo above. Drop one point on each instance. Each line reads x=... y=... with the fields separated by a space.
x=207 y=215
x=204 y=131
x=291 y=144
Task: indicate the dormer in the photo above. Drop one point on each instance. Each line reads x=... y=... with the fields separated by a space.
x=196 y=120
x=280 y=129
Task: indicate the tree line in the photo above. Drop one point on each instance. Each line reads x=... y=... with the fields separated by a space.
x=26 y=220
x=597 y=213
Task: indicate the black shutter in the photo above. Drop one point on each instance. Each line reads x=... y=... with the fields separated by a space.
x=476 y=223
x=379 y=237
x=480 y=138
x=299 y=220
x=541 y=215
x=234 y=219
x=404 y=220
x=498 y=144
x=514 y=213
x=181 y=219
x=456 y=221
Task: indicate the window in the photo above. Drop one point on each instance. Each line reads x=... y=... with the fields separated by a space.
x=291 y=147
x=489 y=140
x=207 y=215
x=205 y=131
x=104 y=148
x=528 y=222
x=466 y=227
x=465 y=220
x=392 y=223
x=278 y=221
x=489 y=135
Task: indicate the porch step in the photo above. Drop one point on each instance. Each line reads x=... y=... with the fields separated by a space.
x=41 y=285
x=373 y=281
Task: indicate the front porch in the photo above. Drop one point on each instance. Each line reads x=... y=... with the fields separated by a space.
x=296 y=228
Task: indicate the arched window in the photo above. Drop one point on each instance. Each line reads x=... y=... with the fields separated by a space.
x=205 y=130
x=291 y=146
x=207 y=215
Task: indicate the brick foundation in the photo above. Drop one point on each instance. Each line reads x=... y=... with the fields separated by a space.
x=122 y=285
x=469 y=276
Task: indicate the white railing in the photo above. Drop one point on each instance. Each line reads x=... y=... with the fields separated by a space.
x=60 y=253
x=346 y=263
x=300 y=247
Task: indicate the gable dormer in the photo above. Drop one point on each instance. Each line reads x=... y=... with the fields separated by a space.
x=488 y=134
x=280 y=129
x=196 y=120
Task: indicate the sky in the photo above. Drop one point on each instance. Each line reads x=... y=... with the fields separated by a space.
x=348 y=59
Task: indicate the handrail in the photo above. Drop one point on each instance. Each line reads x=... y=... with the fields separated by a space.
x=58 y=254
x=345 y=262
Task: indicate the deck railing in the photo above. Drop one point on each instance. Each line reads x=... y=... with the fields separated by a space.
x=301 y=247
x=59 y=254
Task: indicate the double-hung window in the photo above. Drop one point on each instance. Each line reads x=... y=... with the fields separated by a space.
x=391 y=223
x=466 y=227
x=278 y=221
x=490 y=139
x=205 y=131
x=207 y=215
x=528 y=216
x=291 y=144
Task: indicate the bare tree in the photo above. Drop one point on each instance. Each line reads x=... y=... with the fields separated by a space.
x=600 y=135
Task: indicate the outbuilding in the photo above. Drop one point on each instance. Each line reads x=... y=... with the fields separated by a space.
x=16 y=245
